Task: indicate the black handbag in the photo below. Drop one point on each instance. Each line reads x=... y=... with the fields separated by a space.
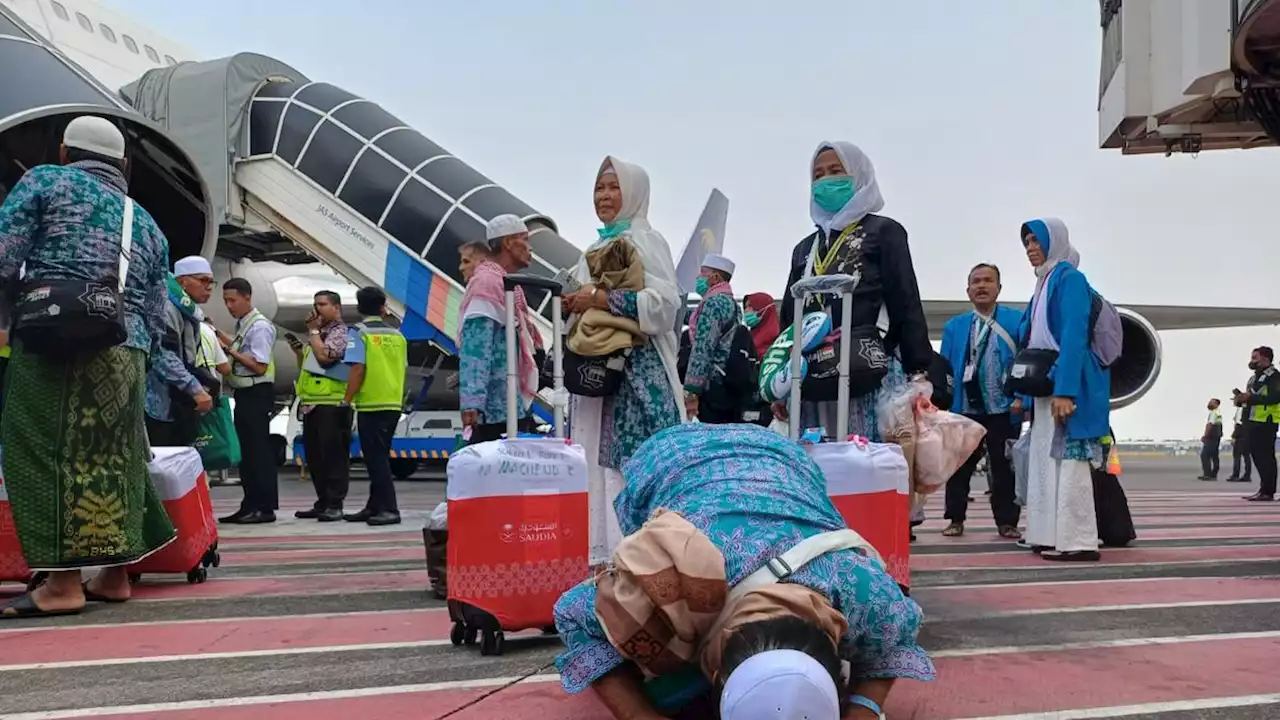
x=594 y=376
x=64 y=319
x=868 y=365
x=1031 y=373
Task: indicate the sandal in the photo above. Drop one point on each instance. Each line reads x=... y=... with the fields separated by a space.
x=1072 y=556
x=955 y=529
x=91 y=596
x=25 y=607
x=1010 y=532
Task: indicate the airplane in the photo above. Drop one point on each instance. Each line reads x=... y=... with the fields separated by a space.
x=324 y=189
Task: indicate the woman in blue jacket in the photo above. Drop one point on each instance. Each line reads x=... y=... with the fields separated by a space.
x=1065 y=429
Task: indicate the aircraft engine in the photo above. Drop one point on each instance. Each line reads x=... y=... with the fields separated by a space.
x=1135 y=373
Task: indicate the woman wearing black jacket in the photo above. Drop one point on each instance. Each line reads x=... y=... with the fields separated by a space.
x=851 y=239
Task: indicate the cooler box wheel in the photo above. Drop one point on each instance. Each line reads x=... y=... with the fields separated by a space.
x=457 y=634
x=492 y=643
x=134 y=578
x=197 y=576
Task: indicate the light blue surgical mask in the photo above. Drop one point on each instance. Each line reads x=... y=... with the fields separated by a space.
x=702 y=285
x=614 y=229
x=833 y=193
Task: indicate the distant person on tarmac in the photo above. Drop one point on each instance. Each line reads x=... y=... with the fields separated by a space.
x=326 y=418
x=379 y=357
x=1240 y=448
x=979 y=345
x=483 y=363
x=253 y=377
x=1261 y=400
x=1211 y=441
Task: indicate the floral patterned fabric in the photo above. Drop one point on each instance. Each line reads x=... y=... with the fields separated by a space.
x=712 y=341
x=862 y=409
x=755 y=494
x=644 y=405
x=482 y=373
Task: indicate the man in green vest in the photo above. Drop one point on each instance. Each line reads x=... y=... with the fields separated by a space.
x=378 y=356
x=1261 y=402
x=326 y=420
x=253 y=376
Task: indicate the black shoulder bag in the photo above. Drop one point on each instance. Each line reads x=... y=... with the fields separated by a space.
x=66 y=319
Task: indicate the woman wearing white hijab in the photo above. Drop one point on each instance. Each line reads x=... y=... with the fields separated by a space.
x=851 y=238
x=611 y=429
x=1066 y=428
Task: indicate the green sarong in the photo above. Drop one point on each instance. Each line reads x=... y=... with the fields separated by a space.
x=75 y=461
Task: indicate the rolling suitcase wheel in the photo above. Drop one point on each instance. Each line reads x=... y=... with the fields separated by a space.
x=458 y=634
x=134 y=578
x=492 y=643
x=197 y=576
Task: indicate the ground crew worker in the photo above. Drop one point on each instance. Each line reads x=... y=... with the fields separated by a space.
x=253 y=377
x=379 y=356
x=326 y=420
x=1261 y=400
x=1211 y=442
x=1240 y=448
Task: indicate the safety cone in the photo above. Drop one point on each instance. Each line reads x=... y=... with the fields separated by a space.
x=1113 y=462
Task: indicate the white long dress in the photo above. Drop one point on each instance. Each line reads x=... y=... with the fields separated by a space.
x=1060 y=511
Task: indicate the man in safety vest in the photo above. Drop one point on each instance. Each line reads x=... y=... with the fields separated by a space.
x=1261 y=400
x=378 y=355
x=326 y=419
x=253 y=375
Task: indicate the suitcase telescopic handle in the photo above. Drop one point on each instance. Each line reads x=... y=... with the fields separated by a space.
x=534 y=282
x=842 y=285
x=511 y=282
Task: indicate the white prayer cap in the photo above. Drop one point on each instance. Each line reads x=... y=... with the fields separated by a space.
x=719 y=262
x=780 y=685
x=95 y=135
x=192 y=265
x=503 y=226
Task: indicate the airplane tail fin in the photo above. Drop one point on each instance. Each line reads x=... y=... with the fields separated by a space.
x=707 y=237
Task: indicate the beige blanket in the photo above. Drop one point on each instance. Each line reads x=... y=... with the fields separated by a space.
x=599 y=333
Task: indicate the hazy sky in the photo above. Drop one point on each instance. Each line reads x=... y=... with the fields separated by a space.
x=978 y=114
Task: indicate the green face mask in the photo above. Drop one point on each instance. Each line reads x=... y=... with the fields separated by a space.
x=833 y=193
x=751 y=320
x=613 y=229
x=702 y=285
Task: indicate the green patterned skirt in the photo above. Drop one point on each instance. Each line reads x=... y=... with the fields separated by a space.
x=75 y=461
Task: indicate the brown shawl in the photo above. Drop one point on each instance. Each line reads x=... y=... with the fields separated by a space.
x=598 y=333
x=667 y=588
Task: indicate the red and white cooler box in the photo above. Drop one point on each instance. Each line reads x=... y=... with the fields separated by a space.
x=869 y=484
x=179 y=479
x=517 y=527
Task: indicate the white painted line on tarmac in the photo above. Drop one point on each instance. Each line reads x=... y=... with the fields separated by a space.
x=1103 y=644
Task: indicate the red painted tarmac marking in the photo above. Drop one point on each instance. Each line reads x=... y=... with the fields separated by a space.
x=1126 y=555
x=101 y=642
x=240 y=558
x=1177 y=533
x=318 y=584
x=967 y=687
x=1079 y=595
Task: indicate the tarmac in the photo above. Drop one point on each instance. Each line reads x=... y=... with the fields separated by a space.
x=311 y=621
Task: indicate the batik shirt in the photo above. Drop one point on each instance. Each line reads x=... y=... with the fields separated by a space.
x=64 y=223
x=644 y=404
x=755 y=495
x=482 y=371
x=712 y=341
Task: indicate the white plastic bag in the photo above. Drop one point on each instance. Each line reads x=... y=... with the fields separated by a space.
x=439 y=518
x=944 y=441
x=1020 y=454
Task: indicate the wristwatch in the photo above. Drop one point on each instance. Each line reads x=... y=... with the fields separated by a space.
x=315 y=331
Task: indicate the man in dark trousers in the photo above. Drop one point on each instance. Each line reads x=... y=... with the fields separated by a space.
x=979 y=345
x=1211 y=442
x=253 y=376
x=379 y=356
x=326 y=420
x=1240 y=449
x=1261 y=400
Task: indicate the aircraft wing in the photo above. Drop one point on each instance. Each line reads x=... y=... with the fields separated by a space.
x=1162 y=317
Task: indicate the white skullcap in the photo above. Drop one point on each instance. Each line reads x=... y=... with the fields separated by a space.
x=719 y=262
x=503 y=226
x=780 y=685
x=95 y=135
x=192 y=265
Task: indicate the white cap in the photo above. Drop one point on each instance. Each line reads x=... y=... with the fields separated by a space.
x=503 y=226
x=719 y=262
x=192 y=265
x=95 y=135
x=780 y=685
